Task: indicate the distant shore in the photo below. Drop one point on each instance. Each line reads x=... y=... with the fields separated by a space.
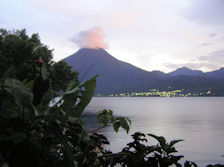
x=163 y=93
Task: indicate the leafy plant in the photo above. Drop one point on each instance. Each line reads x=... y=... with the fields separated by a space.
x=50 y=134
x=138 y=154
x=40 y=115
x=106 y=116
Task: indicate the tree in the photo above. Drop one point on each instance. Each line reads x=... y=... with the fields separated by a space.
x=19 y=50
x=26 y=54
x=38 y=130
x=61 y=74
x=35 y=130
x=49 y=135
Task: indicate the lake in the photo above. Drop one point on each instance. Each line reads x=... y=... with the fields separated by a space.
x=199 y=121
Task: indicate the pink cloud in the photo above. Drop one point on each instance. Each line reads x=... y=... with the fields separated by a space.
x=92 y=38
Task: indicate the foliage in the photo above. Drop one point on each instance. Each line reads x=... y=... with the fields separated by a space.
x=19 y=50
x=47 y=135
x=138 y=154
x=61 y=74
x=106 y=116
x=39 y=128
x=44 y=138
x=56 y=136
x=29 y=57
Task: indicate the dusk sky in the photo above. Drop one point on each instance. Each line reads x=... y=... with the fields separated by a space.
x=150 y=34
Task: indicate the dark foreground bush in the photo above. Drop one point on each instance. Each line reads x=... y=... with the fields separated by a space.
x=39 y=128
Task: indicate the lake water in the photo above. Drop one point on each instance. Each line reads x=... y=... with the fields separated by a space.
x=199 y=121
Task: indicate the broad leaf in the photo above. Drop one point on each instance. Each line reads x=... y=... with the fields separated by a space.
x=190 y=164
x=105 y=117
x=70 y=99
x=29 y=84
x=124 y=124
x=23 y=97
x=173 y=142
x=44 y=71
x=116 y=126
x=160 y=139
x=87 y=95
x=72 y=84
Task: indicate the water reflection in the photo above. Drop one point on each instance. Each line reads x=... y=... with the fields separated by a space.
x=198 y=120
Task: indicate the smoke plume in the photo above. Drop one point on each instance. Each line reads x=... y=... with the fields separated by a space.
x=93 y=38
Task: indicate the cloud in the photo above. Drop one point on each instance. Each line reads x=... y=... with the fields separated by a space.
x=172 y=65
x=222 y=38
x=92 y=38
x=205 y=44
x=213 y=34
x=212 y=61
x=204 y=66
x=189 y=65
x=215 y=56
x=210 y=12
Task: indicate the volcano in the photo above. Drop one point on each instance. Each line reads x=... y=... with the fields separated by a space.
x=115 y=76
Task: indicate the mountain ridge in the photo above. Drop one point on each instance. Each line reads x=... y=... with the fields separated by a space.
x=116 y=76
x=186 y=71
x=89 y=62
x=181 y=70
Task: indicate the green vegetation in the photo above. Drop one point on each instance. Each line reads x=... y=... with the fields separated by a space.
x=40 y=117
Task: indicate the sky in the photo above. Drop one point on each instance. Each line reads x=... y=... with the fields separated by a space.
x=151 y=34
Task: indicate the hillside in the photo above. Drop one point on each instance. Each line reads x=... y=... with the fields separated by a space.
x=217 y=74
x=184 y=71
x=116 y=76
